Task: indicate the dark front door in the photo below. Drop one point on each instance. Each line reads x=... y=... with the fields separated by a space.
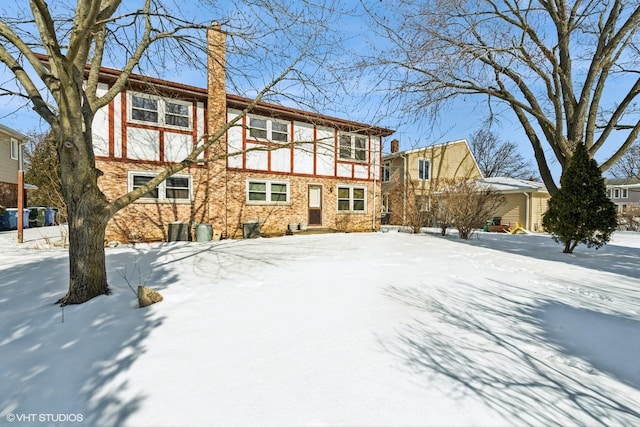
x=315 y=205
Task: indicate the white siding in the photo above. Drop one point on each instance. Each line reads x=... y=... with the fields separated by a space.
x=281 y=160
x=200 y=125
x=234 y=141
x=100 y=126
x=374 y=158
x=256 y=159
x=325 y=162
x=142 y=144
x=361 y=171
x=303 y=153
x=117 y=125
x=176 y=146
x=344 y=170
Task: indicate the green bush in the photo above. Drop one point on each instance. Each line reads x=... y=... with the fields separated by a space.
x=580 y=211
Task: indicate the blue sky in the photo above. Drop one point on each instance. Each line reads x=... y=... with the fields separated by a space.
x=460 y=120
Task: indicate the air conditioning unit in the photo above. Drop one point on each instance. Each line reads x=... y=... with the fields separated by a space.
x=178 y=231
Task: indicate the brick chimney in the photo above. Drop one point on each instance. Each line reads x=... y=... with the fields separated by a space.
x=395 y=146
x=216 y=80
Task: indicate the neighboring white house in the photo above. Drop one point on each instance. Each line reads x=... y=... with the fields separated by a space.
x=10 y=142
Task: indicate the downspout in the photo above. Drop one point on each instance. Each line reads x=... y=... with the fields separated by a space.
x=526 y=220
x=375 y=180
x=404 y=190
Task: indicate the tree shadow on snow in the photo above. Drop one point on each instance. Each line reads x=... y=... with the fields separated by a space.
x=75 y=360
x=513 y=354
x=610 y=258
x=70 y=362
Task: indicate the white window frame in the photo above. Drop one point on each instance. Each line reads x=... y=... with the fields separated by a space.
x=268 y=192
x=351 y=199
x=624 y=193
x=428 y=169
x=354 y=153
x=386 y=203
x=268 y=129
x=15 y=149
x=386 y=171
x=162 y=188
x=162 y=111
x=616 y=193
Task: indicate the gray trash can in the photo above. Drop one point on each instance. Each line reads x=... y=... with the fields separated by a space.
x=204 y=233
x=251 y=230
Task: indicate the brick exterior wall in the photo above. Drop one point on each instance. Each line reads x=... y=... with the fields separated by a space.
x=8 y=194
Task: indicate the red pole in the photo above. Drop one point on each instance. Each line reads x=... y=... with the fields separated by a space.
x=20 y=204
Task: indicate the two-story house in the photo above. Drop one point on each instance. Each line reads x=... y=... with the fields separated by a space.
x=10 y=142
x=275 y=167
x=625 y=193
x=411 y=177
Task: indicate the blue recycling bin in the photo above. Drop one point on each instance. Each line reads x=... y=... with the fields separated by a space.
x=13 y=218
x=50 y=216
x=25 y=218
x=4 y=221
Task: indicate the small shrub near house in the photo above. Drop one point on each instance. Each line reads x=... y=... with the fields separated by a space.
x=466 y=205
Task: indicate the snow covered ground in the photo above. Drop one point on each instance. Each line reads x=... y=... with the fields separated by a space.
x=337 y=329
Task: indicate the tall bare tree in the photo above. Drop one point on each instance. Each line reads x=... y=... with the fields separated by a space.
x=281 y=45
x=567 y=70
x=497 y=157
x=628 y=165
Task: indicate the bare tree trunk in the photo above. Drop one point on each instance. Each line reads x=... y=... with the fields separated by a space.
x=87 y=215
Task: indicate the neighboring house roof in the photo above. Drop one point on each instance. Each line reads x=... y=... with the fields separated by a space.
x=13 y=133
x=513 y=185
x=426 y=147
x=625 y=182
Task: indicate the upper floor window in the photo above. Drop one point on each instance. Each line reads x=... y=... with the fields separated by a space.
x=174 y=188
x=352 y=147
x=424 y=166
x=267 y=192
x=268 y=129
x=386 y=171
x=160 y=111
x=15 y=148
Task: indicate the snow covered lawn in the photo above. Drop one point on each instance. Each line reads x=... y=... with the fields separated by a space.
x=337 y=329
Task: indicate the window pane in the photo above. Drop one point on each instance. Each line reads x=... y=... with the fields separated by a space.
x=177 y=109
x=140 y=180
x=360 y=148
x=345 y=147
x=343 y=193
x=257 y=123
x=144 y=103
x=257 y=186
x=257 y=133
x=175 y=193
x=258 y=196
x=358 y=205
x=343 y=205
x=178 y=182
x=278 y=197
x=280 y=137
x=278 y=188
x=358 y=193
x=144 y=115
x=279 y=127
x=177 y=121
